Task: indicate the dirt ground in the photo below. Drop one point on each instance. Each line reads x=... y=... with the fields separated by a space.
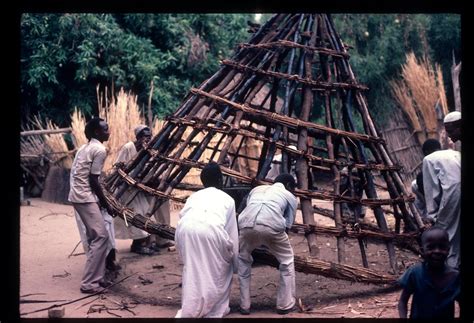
x=50 y=273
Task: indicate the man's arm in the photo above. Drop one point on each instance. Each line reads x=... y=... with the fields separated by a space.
x=97 y=189
x=403 y=304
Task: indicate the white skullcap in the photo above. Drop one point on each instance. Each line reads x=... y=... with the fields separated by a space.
x=293 y=147
x=139 y=129
x=452 y=116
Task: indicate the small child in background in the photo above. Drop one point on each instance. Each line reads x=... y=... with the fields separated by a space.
x=434 y=284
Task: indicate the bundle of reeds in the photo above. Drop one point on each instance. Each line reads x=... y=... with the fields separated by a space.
x=418 y=92
x=33 y=159
x=122 y=114
x=54 y=145
x=78 y=124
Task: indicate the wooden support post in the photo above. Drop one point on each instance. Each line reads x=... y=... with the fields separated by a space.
x=326 y=71
x=301 y=163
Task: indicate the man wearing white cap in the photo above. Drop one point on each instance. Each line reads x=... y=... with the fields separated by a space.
x=141 y=201
x=452 y=124
x=442 y=188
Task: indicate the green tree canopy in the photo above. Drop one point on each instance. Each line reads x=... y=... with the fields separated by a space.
x=65 y=56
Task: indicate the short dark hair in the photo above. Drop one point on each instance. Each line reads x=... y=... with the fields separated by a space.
x=211 y=175
x=142 y=132
x=91 y=126
x=287 y=180
x=432 y=230
x=430 y=146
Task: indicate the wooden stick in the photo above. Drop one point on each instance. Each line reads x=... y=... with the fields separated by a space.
x=78 y=299
x=44 y=132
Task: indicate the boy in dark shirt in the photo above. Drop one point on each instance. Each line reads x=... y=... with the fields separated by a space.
x=434 y=284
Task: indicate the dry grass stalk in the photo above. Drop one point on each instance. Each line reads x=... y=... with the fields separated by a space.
x=441 y=91
x=78 y=124
x=401 y=93
x=122 y=115
x=57 y=143
x=157 y=126
x=421 y=81
x=52 y=146
x=420 y=89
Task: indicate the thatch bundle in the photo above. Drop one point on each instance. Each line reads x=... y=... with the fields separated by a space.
x=40 y=151
x=418 y=93
x=122 y=115
x=78 y=124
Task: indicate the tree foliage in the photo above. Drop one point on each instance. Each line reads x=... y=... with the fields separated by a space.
x=65 y=56
x=381 y=42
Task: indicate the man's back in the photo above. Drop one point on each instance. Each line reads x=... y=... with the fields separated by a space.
x=270 y=205
x=446 y=164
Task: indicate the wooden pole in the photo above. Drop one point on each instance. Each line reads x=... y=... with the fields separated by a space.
x=455 y=71
x=302 y=163
x=44 y=132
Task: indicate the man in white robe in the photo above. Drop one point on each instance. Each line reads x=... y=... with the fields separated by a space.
x=207 y=243
x=429 y=146
x=452 y=125
x=269 y=214
x=442 y=188
x=140 y=203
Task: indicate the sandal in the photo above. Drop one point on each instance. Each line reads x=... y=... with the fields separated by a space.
x=142 y=250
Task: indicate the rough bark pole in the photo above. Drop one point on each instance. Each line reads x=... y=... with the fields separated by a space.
x=455 y=71
x=302 y=163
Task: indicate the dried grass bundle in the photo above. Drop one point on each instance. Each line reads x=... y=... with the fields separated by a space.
x=401 y=93
x=420 y=89
x=157 y=126
x=61 y=155
x=122 y=115
x=78 y=124
x=54 y=146
x=420 y=79
x=441 y=92
x=32 y=148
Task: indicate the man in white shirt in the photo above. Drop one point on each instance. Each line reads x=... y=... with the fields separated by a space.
x=140 y=203
x=269 y=214
x=87 y=198
x=207 y=243
x=442 y=188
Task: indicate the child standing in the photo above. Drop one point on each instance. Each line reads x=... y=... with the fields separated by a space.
x=434 y=284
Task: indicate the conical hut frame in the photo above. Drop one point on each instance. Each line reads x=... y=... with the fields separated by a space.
x=300 y=61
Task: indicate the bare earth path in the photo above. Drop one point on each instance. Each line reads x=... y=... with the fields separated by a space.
x=48 y=272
